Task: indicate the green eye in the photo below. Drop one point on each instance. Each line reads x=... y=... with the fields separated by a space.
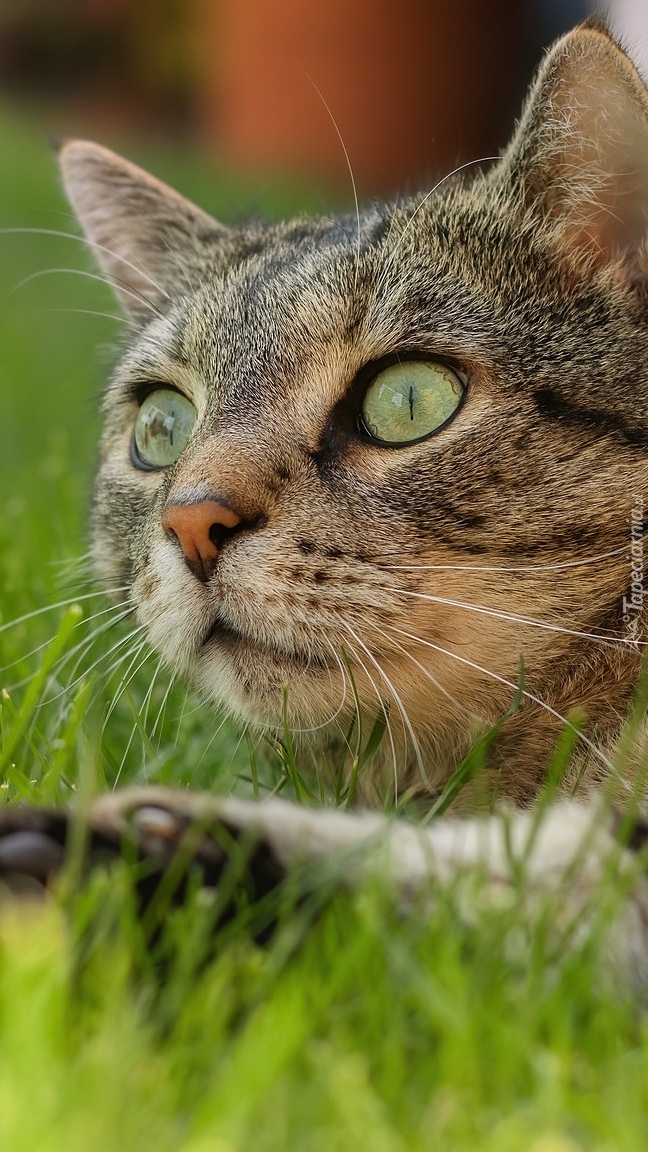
x=408 y=401
x=163 y=427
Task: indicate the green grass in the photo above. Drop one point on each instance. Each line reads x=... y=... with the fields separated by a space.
x=358 y=1027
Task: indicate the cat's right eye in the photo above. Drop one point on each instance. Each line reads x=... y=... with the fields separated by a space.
x=162 y=428
x=409 y=401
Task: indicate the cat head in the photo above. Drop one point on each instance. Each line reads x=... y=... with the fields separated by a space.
x=384 y=457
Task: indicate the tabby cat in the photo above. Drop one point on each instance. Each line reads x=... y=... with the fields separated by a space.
x=390 y=459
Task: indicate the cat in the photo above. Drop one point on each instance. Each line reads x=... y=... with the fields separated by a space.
x=397 y=462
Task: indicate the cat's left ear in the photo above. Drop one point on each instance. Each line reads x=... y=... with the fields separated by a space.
x=578 y=162
x=146 y=237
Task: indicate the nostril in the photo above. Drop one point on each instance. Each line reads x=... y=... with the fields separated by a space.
x=218 y=534
x=201 y=530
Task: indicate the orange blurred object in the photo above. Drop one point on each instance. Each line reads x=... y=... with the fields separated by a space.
x=415 y=86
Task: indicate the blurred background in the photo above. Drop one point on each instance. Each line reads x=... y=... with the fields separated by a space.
x=409 y=88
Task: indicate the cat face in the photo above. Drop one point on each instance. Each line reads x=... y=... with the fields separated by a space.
x=388 y=456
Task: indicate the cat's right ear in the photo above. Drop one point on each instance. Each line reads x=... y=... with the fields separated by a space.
x=146 y=237
x=577 y=167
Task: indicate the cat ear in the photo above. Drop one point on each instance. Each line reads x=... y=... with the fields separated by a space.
x=579 y=158
x=145 y=237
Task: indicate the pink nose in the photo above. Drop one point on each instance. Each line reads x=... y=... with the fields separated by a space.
x=199 y=529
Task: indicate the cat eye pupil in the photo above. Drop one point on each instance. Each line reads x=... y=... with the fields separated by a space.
x=162 y=428
x=409 y=401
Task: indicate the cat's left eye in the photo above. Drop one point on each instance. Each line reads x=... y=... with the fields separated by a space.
x=162 y=428
x=409 y=401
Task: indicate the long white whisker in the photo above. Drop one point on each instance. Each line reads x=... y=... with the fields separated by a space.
x=500 y=614
x=123 y=684
x=399 y=703
x=85 y=646
x=125 y=608
x=329 y=719
x=90 y=244
x=126 y=680
x=428 y=675
x=159 y=719
x=109 y=281
x=72 y=562
x=146 y=703
x=132 y=651
x=88 y=312
x=208 y=745
x=82 y=623
x=385 y=712
x=59 y=604
x=181 y=715
x=124 y=756
x=144 y=707
x=352 y=178
x=448 y=176
x=97 y=662
x=510 y=684
x=500 y=568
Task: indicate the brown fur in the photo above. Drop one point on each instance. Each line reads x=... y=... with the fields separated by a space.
x=512 y=520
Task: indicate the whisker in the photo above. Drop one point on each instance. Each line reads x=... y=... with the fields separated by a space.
x=46 y=643
x=159 y=719
x=516 y=688
x=122 y=762
x=500 y=614
x=500 y=568
x=399 y=703
x=181 y=716
x=299 y=731
x=127 y=679
x=207 y=747
x=132 y=652
x=104 y=656
x=82 y=561
x=88 y=312
x=351 y=176
x=71 y=584
x=85 y=646
x=428 y=675
x=109 y=281
x=385 y=712
x=90 y=244
x=115 y=700
x=424 y=200
x=59 y=604
x=126 y=609
x=146 y=703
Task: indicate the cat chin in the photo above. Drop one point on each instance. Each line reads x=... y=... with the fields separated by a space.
x=265 y=688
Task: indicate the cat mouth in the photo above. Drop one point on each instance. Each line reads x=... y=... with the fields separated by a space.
x=222 y=633
x=220 y=630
